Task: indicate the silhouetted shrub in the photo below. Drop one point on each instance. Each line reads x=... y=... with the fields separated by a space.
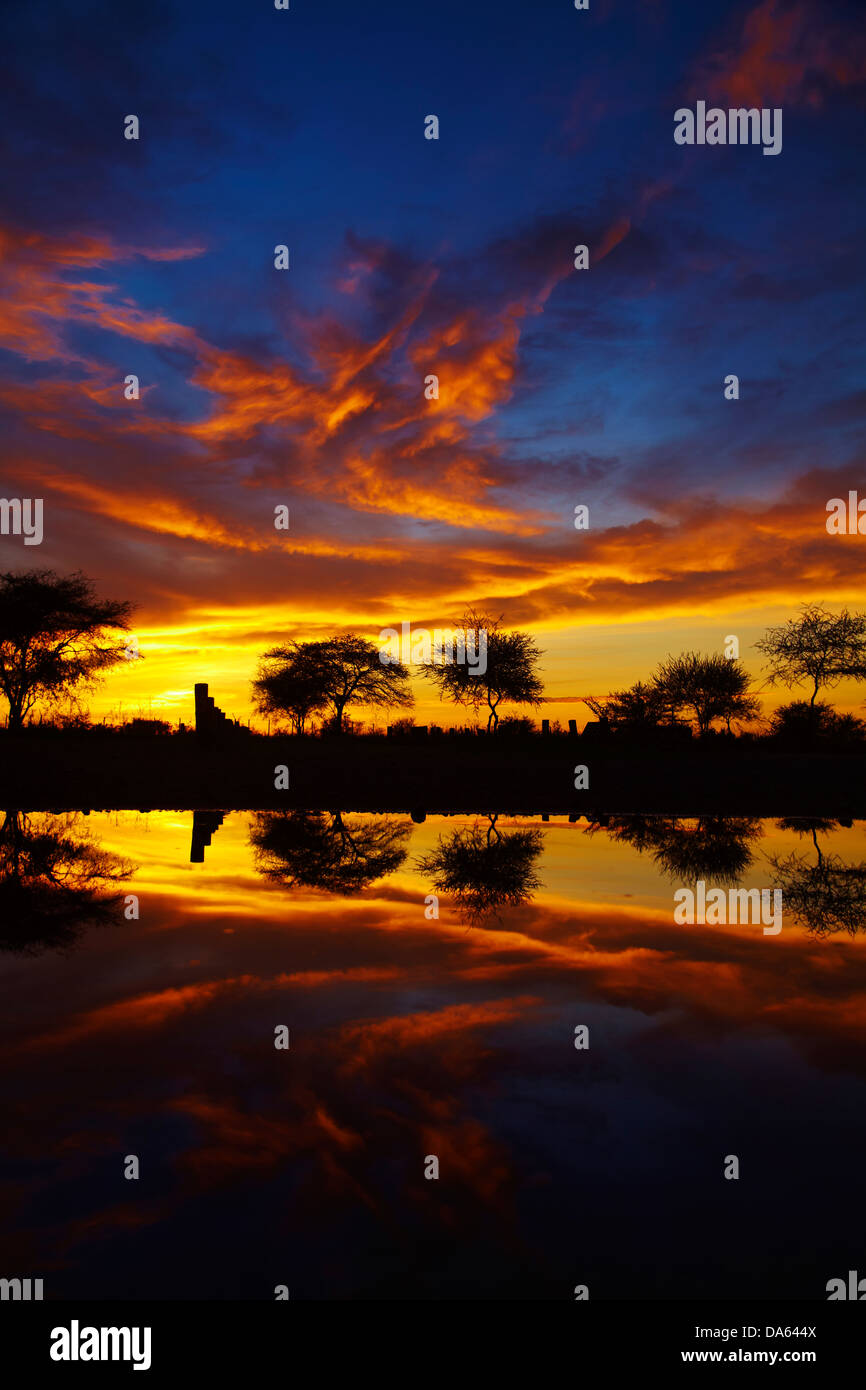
x=800 y=724
x=511 y=725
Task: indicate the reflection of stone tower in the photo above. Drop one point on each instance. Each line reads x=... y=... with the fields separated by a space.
x=204 y=824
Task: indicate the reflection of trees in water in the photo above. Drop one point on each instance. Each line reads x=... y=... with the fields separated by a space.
x=484 y=869
x=826 y=894
x=714 y=848
x=317 y=849
x=55 y=880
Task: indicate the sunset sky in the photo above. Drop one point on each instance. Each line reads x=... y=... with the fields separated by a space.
x=410 y=256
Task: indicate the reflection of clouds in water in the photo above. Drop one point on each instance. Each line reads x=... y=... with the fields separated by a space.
x=409 y=1037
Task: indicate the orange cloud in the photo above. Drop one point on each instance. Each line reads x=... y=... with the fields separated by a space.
x=786 y=53
x=37 y=300
x=368 y=1040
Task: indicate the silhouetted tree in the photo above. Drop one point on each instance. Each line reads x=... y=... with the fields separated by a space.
x=290 y=681
x=54 y=881
x=705 y=688
x=511 y=675
x=313 y=849
x=54 y=637
x=334 y=673
x=640 y=707
x=818 y=646
x=484 y=869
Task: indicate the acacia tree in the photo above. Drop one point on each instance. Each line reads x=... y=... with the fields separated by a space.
x=640 y=707
x=702 y=688
x=706 y=688
x=55 y=635
x=332 y=674
x=289 y=682
x=818 y=646
x=511 y=676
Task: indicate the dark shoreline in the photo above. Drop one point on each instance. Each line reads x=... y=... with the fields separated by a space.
x=49 y=770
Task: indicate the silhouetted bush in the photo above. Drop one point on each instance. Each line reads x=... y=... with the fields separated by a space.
x=802 y=725
x=514 y=725
x=401 y=728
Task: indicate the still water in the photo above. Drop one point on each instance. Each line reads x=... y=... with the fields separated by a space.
x=414 y=1036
